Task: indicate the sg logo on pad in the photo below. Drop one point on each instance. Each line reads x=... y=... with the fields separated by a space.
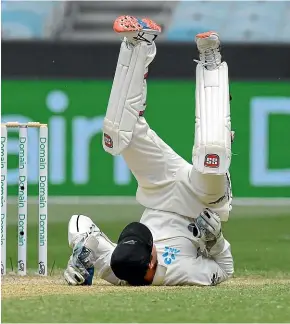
x=108 y=140
x=212 y=161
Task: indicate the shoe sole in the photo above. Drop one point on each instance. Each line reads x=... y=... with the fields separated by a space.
x=207 y=40
x=206 y=35
x=132 y=24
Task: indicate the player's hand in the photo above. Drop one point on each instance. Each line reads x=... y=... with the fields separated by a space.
x=80 y=270
x=207 y=226
x=85 y=254
x=73 y=277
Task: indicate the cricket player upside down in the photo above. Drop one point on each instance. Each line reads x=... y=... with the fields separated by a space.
x=178 y=240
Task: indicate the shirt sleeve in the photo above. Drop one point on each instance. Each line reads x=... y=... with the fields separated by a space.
x=103 y=263
x=104 y=271
x=208 y=271
x=221 y=254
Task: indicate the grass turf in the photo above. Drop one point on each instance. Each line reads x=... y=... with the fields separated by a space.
x=261 y=303
x=260 y=247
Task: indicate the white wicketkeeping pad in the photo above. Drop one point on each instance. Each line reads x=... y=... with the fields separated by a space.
x=126 y=99
x=212 y=145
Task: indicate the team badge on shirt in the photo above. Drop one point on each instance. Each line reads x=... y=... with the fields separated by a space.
x=169 y=255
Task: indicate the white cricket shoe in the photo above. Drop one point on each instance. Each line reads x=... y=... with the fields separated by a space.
x=208 y=45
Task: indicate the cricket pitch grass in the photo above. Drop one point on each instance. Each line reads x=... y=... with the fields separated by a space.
x=241 y=299
x=259 y=292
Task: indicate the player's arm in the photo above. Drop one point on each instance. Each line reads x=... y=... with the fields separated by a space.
x=210 y=270
x=215 y=263
x=92 y=251
x=91 y=258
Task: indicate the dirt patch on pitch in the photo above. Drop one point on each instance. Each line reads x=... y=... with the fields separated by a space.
x=32 y=286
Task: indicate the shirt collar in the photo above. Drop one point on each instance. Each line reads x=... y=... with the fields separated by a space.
x=159 y=275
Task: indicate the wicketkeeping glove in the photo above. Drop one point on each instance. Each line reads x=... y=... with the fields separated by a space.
x=207 y=226
x=73 y=277
x=80 y=270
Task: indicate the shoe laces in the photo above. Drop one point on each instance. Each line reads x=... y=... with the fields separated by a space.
x=210 y=57
x=141 y=36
